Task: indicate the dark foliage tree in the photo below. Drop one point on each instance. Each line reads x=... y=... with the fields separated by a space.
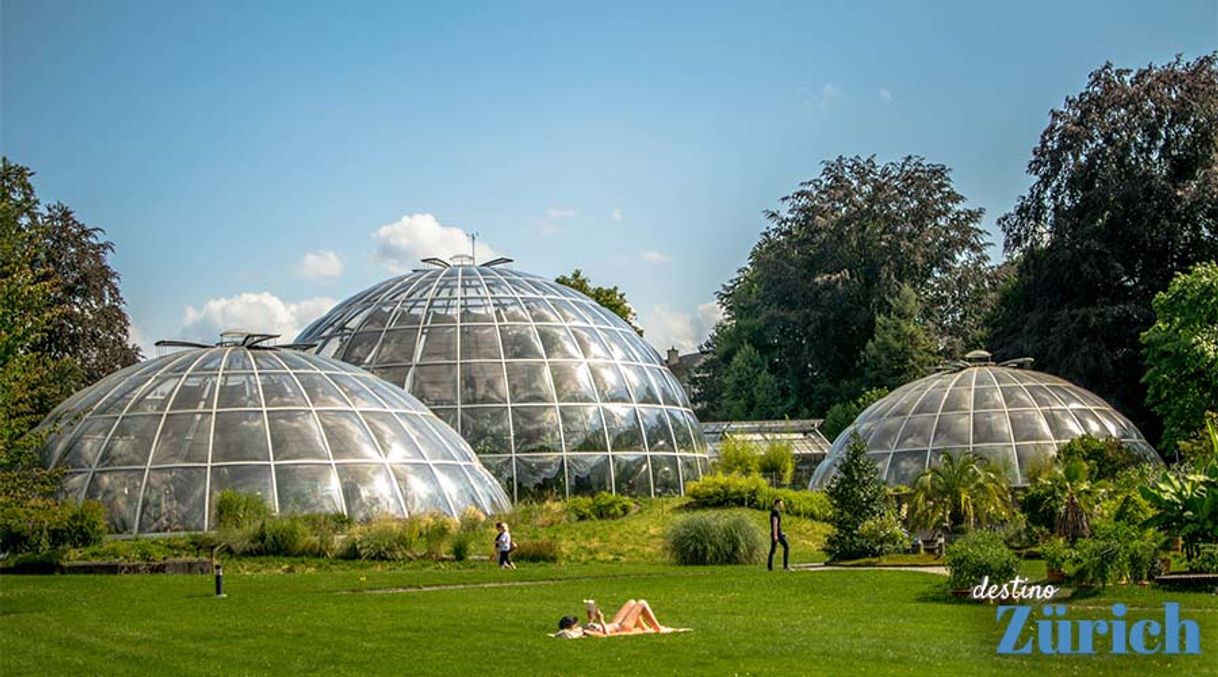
x=1125 y=195
x=610 y=298
x=842 y=247
x=857 y=494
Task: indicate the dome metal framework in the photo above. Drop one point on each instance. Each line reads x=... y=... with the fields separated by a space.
x=1006 y=413
x=556 y=394
x=156 y=442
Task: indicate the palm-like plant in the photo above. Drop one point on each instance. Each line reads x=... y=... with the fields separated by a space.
x=959 y=493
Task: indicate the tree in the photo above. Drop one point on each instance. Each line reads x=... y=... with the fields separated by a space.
x=858 y=494
x=842 y=414
x=832 y=260
x=902 y=350
x=750 y=391
x=1181 y=352
x=959 y=493
x=610 y=298
x=1124 y=196
x=61 y=325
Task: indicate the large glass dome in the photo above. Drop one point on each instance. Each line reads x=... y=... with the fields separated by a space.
x=156 y=442
x=556 y=394
x=1011 y=416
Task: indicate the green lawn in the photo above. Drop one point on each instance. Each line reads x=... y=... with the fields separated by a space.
x=745 y=620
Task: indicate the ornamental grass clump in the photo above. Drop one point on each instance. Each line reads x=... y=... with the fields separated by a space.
x=715 y=539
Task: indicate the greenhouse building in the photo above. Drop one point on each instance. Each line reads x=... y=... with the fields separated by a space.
x=1009 y=414
x=156 y=442
x=556 y=394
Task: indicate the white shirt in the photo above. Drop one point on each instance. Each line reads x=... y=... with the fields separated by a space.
x=503 y=542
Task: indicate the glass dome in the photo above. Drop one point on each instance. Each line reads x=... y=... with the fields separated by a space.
x=156 y=442
x=556 y=395
x=1011 y=416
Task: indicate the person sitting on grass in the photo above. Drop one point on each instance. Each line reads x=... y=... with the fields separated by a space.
x=635 y=617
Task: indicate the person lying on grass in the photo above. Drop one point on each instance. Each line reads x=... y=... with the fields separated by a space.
x=635 y=617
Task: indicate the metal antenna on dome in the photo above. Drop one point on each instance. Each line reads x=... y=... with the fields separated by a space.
x=473 y=247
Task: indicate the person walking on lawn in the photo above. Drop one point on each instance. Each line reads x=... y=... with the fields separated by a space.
x=776 y=537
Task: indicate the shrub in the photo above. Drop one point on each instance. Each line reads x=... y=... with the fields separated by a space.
x=977 y=555
x=1056 y=553
x=726 y=491
x=798 y=502
x=462 y=543
x=537 y=551
x=287 y=537
x=134 y=550
x=235 y=509
x=383 y=539
x=777 y=463
x=715 y=539
x=435 y=530
x=607 y=506
x=884 y=535
x=1206 y=561
x=738 y=457
x=580 y=508
x=40 y=523
x=1116 y=551
x=42 y=562
x=1105 y=458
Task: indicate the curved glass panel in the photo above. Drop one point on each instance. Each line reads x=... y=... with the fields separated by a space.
x=1013 y=417
x=157 y=442
x=553 y=392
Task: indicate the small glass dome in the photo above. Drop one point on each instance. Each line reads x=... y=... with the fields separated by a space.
x=156 y=442
x=556 y=395
x=1011 y=416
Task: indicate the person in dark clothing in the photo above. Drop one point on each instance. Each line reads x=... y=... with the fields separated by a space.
x=776 y=537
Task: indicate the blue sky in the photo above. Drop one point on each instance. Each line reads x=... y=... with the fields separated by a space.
x=221 y=144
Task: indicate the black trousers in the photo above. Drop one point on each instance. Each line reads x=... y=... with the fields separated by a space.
x=786 y=552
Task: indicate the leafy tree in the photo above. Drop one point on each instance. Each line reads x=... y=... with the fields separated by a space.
x=902 y=350
x=1125 y=195
x=842 y=414
x=738 y=457
x=611 y=298
x=61 y=325
x=958 y=494
x=833 y=258
x=858 y=494
x=777 y=463
x=1181 y=351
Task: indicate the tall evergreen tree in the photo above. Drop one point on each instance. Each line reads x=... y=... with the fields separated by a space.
x=901 y=350
x=857 y=494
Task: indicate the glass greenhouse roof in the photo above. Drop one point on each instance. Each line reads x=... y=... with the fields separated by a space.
x=555 y=394
x=1013 y=417
x=157 y=441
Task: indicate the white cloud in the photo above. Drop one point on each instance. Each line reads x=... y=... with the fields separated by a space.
x=320 y=265
x=136 y=336
x=666 y=327
x=547 y=229
x=616 y=214
x=886 y=95
x=261 y=312
x=655 y=257
x=556 y=213
x=828 y=93
x=401 y=244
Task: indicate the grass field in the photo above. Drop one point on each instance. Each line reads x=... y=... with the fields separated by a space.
x=745 y=621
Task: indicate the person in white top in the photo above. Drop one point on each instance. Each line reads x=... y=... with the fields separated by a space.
x=504 y=546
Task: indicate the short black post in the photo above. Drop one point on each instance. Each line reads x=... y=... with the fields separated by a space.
x=219 y=580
